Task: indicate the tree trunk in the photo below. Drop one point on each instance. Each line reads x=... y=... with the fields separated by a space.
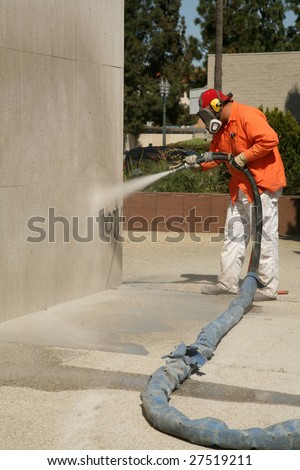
x=219 y=45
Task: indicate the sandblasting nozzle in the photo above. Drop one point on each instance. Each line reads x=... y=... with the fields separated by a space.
x=179 y=167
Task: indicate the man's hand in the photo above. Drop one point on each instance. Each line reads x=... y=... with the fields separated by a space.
x=192 y=160
x=239 y=161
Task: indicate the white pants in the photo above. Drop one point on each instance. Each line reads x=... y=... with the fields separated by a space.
x=238 y=233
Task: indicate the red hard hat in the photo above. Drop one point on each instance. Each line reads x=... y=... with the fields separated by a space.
x=207 y=96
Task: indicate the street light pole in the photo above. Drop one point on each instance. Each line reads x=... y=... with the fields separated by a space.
x=164 y=87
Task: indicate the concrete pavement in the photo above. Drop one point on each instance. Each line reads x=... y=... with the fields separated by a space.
x=71 y=376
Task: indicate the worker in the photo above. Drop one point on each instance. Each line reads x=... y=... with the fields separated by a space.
x=244 y=132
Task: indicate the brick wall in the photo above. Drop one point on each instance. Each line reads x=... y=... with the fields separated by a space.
x=270 y=79
x=187 y=212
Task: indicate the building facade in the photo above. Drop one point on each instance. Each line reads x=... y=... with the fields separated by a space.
x=61 y=90
x=268 y=79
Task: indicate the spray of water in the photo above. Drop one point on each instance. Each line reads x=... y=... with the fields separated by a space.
x=112 y=194
x=136 y=184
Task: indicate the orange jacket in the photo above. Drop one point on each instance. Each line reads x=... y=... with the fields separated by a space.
x=248 y=131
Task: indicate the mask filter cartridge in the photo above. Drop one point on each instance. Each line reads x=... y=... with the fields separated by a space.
x=214 y=126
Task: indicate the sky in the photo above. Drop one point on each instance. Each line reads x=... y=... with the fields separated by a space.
x=188 y=9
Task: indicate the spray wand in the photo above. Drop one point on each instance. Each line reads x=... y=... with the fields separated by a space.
x=180 y=166
x=202 y=158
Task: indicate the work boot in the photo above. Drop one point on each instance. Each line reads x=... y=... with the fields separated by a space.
x=216 y=290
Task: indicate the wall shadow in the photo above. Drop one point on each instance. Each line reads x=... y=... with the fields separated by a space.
x=294 y=229
x=292 y=102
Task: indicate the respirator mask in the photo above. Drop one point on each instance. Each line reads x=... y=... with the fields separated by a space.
x=211 y=115
x=210 y=120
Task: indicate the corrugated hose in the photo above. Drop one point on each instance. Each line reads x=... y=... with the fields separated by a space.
x=186 y=360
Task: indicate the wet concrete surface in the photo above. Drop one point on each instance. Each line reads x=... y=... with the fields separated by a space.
x=58 y=378
x=71 y=375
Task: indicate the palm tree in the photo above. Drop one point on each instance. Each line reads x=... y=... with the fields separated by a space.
x=219 y=45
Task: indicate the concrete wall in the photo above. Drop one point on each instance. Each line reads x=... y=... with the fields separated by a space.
x=270 y=79
x=155 y=137
x=61 y=95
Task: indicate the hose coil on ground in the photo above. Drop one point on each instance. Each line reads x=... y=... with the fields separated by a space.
x=185 y=360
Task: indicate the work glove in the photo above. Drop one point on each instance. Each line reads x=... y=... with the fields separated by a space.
x=192 y=160
x=239 y=161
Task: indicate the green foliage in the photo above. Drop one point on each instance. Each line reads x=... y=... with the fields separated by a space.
x=137 y=26
x=187 y=181
x=249 y=26
x=288 y=131
x=185 y=118
x=155 y=47
x=198 y=145
x=293 y=31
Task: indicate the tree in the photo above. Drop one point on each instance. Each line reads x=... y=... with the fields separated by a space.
x=293 y=31
x=155 y=47
x=288 y=131
x=137 y=30
x=249 y=26
x=219 y=45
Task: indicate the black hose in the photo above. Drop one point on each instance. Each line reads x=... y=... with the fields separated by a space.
x=186 y=360
x=257 y=207
x=256 y=247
